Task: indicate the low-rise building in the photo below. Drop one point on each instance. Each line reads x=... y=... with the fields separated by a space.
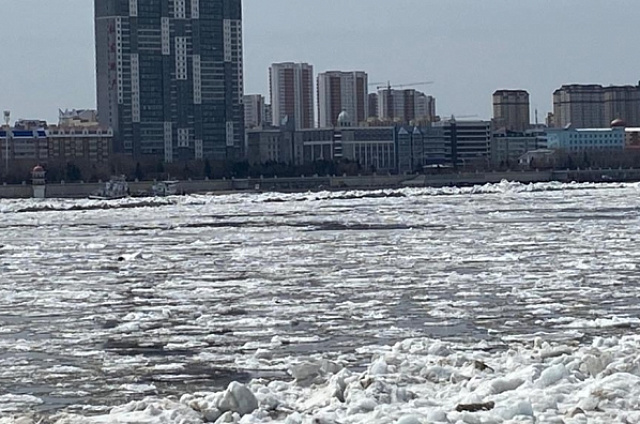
x=632 y=136
x=374 y=148
x=572 y=139
x=268 y=145
x=536 y=159
x=507 y=147
x=384 y=149
x=18 y=143
x=435 y=146
x=43 y=143
x=463 y=143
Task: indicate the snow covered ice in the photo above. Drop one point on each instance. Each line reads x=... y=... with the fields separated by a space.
x=423 y=381
x=504 y=303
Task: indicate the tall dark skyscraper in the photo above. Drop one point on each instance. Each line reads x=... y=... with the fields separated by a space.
x=170 y=77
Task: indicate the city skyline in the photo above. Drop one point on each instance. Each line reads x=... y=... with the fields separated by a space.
x=468 y=49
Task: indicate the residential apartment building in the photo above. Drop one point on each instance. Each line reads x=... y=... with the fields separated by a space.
x=268 y=114
x=622 y=102
x=19 y=143
x=405 y=106
x=511 y=110
x=40 y=144
x=595 y=106
x=425 y=109
x=342 y=91
x=255 y=113
x=292 y=96
x=373 y=105
x=579 y=105
x=170 y=77
x=88 y=144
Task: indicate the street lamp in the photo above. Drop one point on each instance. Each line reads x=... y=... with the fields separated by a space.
x=7 y=119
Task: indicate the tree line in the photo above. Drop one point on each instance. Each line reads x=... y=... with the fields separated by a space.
x=149 y=169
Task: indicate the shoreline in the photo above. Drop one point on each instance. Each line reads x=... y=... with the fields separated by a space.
x=334 y=183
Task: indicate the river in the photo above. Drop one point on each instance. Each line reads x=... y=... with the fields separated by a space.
x=105 y=302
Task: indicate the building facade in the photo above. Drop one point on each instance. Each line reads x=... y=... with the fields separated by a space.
x=255 y=113
x=464 y=143
x=170 y=77
x=632 y=136
x=383 y=149
x=425 y=109
x=342 y=91
x=507 y=147
x=88 y=144
x=580 y=139
x=269 y=145
x=405 y=106
x=373 y=105
x=622 y=102
x=70 y=143
x=78 y=117
x=292 y=95
x=595 y=106
x=511 y=110
x=268 y=114
x=579 y=105
x=17 y=144
x=397 y=149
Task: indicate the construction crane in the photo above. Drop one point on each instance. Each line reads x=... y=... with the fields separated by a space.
x=387 y=96
x=455 y=117
x=413 y=84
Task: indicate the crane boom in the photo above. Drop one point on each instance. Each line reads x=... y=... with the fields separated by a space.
x=413 y=84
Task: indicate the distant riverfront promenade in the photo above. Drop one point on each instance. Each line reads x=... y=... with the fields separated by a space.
x=311 y=183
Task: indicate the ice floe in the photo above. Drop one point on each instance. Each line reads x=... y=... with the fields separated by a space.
x=297 y=297
x=421 y=381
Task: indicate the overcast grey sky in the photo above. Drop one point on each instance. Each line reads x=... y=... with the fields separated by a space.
x=468 y=47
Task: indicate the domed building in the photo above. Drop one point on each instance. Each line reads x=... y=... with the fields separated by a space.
x=344 y=120
x=618 y=123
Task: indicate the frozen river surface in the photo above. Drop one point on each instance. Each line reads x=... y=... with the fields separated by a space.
x=105 y=303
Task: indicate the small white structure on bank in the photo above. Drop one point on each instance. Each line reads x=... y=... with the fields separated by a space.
x=38 y=182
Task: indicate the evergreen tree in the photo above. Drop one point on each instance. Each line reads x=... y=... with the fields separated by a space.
x=139 y=174
x=207 y=169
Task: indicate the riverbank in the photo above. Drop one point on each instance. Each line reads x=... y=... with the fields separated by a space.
x=80 y=190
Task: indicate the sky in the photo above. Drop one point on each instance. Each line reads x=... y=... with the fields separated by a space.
x=468 y=48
